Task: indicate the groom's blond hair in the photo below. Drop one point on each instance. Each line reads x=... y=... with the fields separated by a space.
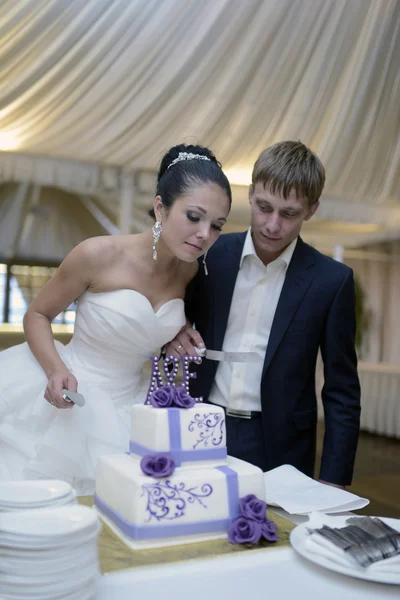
x=290 y=165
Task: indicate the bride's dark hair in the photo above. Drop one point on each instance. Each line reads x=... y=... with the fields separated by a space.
x=176 y=178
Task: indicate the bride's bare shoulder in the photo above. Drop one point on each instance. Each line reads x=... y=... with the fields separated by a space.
x=102 y=250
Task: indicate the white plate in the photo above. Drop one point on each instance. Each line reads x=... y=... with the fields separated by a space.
x=58 y=564
x=51 y=595
x=32 y=505
x=298 y=539
x=57 y=543
x=35 y=491
x=67 y=550
x=87 y=592
x=72 y=578
x=47 y=526
x=28 y=502
x=51 y=504
x=53 y=589
x=47 y=523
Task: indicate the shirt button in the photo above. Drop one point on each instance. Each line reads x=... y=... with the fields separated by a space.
x=237 y=375
x=253 y=313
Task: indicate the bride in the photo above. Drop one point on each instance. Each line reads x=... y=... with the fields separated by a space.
x=130 y=291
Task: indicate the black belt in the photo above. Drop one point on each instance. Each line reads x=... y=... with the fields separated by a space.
x=243 y=414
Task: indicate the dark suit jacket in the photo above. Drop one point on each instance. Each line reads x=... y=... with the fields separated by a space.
x=316 y=309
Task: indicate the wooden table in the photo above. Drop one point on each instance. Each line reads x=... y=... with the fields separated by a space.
x=115 y=556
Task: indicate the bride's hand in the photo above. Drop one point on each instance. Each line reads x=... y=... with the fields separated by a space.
x=60 y=380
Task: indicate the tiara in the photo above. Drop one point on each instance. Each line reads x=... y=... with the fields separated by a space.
x=187 y=156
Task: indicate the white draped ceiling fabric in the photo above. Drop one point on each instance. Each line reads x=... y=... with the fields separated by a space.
x=93 y=92
x=117 y=82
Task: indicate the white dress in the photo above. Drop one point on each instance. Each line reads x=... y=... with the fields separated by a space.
x=115 y=334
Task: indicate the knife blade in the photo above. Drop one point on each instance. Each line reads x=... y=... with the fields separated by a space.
x=74 y=397
x=220 y=356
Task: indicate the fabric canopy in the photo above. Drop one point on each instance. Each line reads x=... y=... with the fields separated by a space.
x=93 y=92
x=93 y=89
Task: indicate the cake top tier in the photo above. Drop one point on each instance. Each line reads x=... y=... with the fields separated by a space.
x=189 y=436
x=173 y=423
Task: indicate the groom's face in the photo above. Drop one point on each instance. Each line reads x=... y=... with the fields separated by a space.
x=276 y=221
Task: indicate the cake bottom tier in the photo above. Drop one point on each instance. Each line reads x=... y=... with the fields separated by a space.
x=191 y=505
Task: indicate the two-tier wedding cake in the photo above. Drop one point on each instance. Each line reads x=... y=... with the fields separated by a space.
x=176 y=484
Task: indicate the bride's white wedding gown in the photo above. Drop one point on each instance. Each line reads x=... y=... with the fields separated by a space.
x=115 y=334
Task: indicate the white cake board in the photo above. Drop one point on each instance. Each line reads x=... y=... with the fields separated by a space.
x=161 y=543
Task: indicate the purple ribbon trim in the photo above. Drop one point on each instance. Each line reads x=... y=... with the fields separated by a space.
x=175 y=442
x=232 y=483
x=180 y=456
x=153 y=532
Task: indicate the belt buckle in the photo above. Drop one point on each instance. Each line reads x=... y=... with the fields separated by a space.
x=238 y=414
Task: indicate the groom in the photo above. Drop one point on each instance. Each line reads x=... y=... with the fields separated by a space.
x=269 y=292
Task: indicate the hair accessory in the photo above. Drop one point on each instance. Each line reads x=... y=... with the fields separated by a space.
x=157 y=229
x=204 y=263
x=187 y=156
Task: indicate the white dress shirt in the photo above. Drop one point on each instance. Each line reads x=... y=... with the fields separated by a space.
x=254 y=302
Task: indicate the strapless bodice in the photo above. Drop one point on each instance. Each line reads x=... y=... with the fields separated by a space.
x=115 y=334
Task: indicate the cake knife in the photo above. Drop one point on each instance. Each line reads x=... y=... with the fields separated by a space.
x=220 y=356
x=74 y=397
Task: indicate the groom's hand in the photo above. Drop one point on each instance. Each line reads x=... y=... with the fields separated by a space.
x=184 y=342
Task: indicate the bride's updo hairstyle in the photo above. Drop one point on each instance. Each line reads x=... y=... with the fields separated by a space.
x=187 y=166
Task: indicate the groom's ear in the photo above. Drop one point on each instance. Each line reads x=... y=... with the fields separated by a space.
x=251 y=191
x=312 y=211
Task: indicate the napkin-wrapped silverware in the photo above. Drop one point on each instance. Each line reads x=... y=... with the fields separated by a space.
x=366 y=539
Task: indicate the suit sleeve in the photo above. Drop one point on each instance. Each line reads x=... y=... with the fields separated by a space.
x=341 y=391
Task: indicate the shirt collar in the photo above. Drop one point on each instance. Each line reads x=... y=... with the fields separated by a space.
x=249 y=250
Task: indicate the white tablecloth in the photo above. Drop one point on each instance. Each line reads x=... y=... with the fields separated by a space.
x=264 y=575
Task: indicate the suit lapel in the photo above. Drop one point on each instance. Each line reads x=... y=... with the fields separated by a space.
x=224 y=285
x=297 y=281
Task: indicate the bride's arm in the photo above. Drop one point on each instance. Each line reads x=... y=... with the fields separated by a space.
x=73 y=276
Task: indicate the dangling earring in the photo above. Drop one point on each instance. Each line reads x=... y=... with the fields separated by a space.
x=157 y=229
x=204 y=263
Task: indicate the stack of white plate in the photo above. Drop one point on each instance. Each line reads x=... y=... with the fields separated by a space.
x=26 y=495
x=49 y=554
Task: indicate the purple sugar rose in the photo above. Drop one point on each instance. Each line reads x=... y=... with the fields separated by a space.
x=268 y=531
x=182 y=399
x=162 y=397
x=253 y=508
x=157 y=465
x=244 y=531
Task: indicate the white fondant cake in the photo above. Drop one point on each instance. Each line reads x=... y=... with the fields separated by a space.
x=189 y=506
x=198 y=501
x=192 y=437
